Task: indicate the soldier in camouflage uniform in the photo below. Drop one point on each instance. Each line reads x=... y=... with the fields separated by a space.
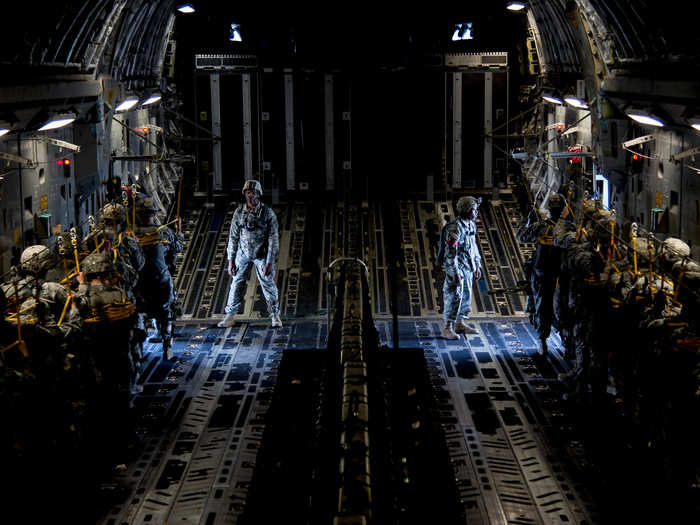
x=34 y=263
x=253 y=239
x=128 y=255
x=546 y=265
x=108 y=334
x=128 y=261
x=459 y=252
x=156 y=292
x=37 y=380
x=46 y=301
x=587 y=300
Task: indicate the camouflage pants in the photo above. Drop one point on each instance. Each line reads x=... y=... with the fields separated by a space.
x=268 y=285
x=543 y=301
x=457 y=292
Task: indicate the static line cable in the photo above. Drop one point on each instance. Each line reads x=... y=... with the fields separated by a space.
x=521 y=114
x=656 y=157
x=183 y=117
x=179 y=193
x=138 y=134
x=134 y=192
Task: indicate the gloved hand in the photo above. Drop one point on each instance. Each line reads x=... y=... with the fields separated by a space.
x=267 y=270
x=231 y=268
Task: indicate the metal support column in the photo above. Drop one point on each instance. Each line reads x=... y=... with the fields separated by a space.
x=457 y=130
x=488 y=127
x=330 y=133
x=215 y=86
x=247 y=133
x=289 y=127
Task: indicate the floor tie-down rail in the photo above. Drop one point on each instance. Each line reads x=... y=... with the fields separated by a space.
x=353 y=433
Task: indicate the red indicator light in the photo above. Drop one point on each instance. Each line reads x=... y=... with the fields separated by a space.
x=635 y=157
x=66 y=162
x=59 y=162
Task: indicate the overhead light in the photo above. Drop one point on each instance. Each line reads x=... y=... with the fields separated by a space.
x=57 y=121
x=6 y=124
x=127 y=104
x=575 y=102
x=645 y=117
x=463 y=31
x=186 y=8
x=552 y=98
x=694 y=123
x=235 y=35
x=151 y=100
x=515 y=6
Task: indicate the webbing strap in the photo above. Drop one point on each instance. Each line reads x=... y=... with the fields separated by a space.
x=65 y=307
x=112 y=312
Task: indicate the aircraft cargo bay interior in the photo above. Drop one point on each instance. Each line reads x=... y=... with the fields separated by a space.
x=370 y=265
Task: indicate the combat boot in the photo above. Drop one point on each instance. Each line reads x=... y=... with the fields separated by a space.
x=226 y=321
x=543 y=350
x=276 y=321
x=157 y=336
x=462 y=328
x=448 y=331
x=168 y=354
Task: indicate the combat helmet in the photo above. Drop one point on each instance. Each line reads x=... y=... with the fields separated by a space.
x=97 y=264
x=252 y=184
x=464 y=204
x=556 y=201
x=146 y=206
x=36 y=259
x=145 y=209
x=603 y=229
x=113 y=212
x=674 y=250
x=589 y=208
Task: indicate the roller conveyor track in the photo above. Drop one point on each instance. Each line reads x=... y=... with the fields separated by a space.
x=217 y=276
x=353 y=229
x=201 y=289
x=420 y=225
x=191 y=226
x=498 y=400
x=514 y=264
